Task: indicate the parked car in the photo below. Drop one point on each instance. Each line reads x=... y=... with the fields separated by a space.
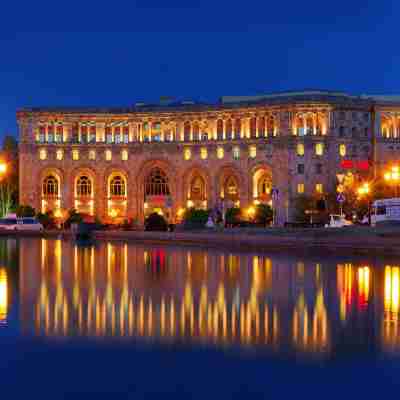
x=13 y=223
x=337 y=221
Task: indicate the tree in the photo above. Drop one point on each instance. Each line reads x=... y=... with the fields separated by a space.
x=303 y=203
x=9 y=183
x=233 y=216
x=25 y=211
x=263 y=214
x=195 y=218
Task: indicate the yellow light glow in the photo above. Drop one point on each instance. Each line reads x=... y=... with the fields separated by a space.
x=146 y=205
x=387 y=176
x=190 y=203
x=113 y=213
x=180 y=212
x=3 y=168
x=251 y=211
x=3 y=294
x=256 y=202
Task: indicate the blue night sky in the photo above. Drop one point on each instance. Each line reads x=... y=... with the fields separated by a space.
x=116 y=53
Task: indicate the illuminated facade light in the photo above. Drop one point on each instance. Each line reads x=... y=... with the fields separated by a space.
x=42 y=154
x=300 y=149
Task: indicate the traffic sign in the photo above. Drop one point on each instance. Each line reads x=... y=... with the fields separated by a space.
x=341 y=198
x=275 y=193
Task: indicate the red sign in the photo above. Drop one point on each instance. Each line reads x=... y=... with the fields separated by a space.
x=363 y=164
x=349 y=164
x=346 y=164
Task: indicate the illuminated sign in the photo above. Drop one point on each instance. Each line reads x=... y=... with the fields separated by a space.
x=349 y=164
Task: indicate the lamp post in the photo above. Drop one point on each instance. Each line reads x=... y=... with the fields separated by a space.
x=393 y=177
x=3 y=191
x=364 y=191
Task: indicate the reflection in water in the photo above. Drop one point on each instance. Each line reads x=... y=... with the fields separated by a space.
x=167 y=294
x=3 y=295
x=390 y=328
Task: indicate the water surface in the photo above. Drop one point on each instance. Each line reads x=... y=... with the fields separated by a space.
x=146 y=321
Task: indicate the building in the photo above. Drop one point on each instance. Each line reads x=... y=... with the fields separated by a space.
x=128 y=162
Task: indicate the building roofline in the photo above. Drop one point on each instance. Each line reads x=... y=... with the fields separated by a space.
x=231 y=102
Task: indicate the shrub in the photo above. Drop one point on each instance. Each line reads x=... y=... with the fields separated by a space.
x=155 y=222
x=233 y=216
x=47 y=219
x=263 y=215
x=73 y=218
x=195 y=219
x=25 y=211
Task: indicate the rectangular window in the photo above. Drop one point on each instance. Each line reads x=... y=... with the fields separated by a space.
x=300 y=169
x=300 y=188
x=300 y=149
x=319 y=149
x=124 y=155
x=75 y=155
x=319 y=188
x=203 y=153
x=318 y=169
x=187 y=154
x=109 y=138
x=108 y=155
x=342 y=150
x=42 y=154
x=92 y=155
x=252 y=151
x=126 y=138
x=236 y=153
x=220 y=152
x=59 y=154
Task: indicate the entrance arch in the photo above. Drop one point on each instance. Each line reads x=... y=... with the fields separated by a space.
x=156 y=189
x=261 y=184
x=196 y=188
x=51 y=181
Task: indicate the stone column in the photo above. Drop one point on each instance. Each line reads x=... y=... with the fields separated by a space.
x=281 y=179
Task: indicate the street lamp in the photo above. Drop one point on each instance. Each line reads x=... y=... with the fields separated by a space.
x=393 y=177
x=364 y=191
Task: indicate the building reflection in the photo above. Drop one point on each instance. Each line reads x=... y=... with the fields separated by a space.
x=165 y=294
x=119 y=290
x=3 y=295
x=390 y=321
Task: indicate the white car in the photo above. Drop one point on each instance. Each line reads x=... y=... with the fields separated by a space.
x=338 y=221
x=11 y=223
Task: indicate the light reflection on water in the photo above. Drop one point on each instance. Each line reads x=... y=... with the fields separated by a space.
x=282 y=304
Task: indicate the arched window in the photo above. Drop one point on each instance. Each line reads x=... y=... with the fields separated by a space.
x=229 y=129
x=156 y=183
x=196 y=131
x=264 y=186
x=231 y=189
x=261 y=127
x=238 y=127
x=50 y=186
x=271 y=131
x=197 y=188
x=220 y=129
x=253 y=127
x=84 y=186
x=300 y=126
x=117 y=186
x=186 y=131
x=310 y=125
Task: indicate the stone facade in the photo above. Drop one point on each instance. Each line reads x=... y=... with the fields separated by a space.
x=126 y=163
